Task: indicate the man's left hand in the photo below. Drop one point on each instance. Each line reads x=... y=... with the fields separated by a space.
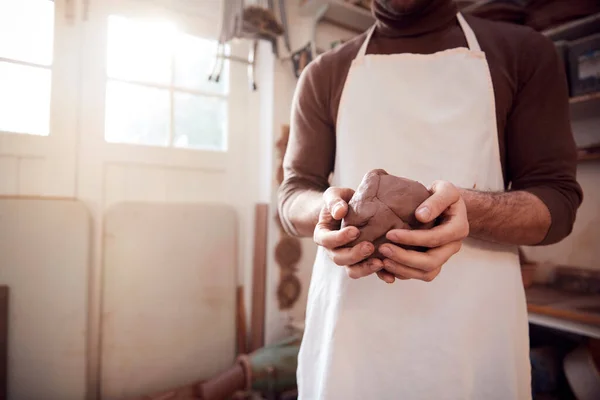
x=444 y=240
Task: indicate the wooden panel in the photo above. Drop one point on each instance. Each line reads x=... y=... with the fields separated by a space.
x=144 y=183
x=169 y=297
x=565 y=305
x=33 y=176
x=115 y=184
x=259 y=277
x=571 y=315
x=9 y=172
x=129 y=182
x=125 y=182
x=3 y=342
x=45 y=254
x=242 y=338
x=193 y=185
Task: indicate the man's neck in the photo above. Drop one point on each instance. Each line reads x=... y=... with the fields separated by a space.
x=434 y=16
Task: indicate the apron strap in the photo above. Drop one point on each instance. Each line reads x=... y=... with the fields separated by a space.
x=363 y=49
x=469 y=35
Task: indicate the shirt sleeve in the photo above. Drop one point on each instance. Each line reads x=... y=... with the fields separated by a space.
x=541 y=153
x=310 y=153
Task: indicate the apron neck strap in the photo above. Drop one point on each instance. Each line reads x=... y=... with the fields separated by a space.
x=363 y=49
x=469 y=35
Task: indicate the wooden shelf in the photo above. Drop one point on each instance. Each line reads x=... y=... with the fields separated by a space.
x=588 y=157
x=574 y=29
x=584 y=98
x=339 y=12
x=570 y=30
x=565 y=311
x=564 y=325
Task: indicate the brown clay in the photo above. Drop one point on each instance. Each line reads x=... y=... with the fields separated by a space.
x=384 y=202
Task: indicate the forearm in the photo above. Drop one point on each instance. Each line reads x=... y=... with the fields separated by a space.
x=301 y=211
x=517 y=217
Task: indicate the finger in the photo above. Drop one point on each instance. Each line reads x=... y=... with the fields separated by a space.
x=444 y=195
x=408 y=272
x=386 y=276
x=336 y=201
x=364 y=268
x=351 y=255
x=330 y=237
x=450 y=230
x=425 y=261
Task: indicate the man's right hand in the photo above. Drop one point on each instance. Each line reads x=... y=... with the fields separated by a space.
x=329 y=235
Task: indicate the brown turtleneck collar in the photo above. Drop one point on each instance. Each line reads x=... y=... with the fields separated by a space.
x=432 y=16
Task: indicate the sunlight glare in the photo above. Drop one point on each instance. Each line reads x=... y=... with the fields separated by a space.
x=140 y=50
x=24 y=99
x=27 y=30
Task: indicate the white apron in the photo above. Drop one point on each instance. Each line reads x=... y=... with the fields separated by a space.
x=464 y=335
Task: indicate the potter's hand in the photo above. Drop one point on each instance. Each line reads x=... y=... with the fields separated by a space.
x=329 y=235
x=444 y=240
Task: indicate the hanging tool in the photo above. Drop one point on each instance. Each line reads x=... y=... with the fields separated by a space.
x=301 y=58
x=252 y=23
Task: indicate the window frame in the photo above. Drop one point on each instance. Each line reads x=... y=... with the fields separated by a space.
x=93 y=91
x=40 y=66
x=63 y=92
x=28 y=64
x=174 y=89
x=78 y=89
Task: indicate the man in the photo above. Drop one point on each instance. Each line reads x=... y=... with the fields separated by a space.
x=479 y=111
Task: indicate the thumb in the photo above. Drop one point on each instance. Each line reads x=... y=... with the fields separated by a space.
x=336 y=201
x=444 y=195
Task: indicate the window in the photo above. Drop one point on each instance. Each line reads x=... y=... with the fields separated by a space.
x=158 y=92
x=26 y=44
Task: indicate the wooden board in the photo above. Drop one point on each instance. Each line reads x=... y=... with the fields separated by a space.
x=259 y=277
x=568 y=314
x=542 y=295
x=3 y=342
x=584 y=308
x=45 y=253
x=169 y=297
x=242 y=332
x=585 y=97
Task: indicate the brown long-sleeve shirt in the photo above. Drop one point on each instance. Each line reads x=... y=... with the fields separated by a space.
x=537 y=149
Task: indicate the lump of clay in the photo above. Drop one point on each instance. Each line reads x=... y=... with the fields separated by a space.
x=384 y=202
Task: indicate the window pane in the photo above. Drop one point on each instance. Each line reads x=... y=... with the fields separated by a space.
x=194 y=59
x=136 y=114
x=27 y=30
x=200 y=122
x=24 y=99
x=140 y=50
